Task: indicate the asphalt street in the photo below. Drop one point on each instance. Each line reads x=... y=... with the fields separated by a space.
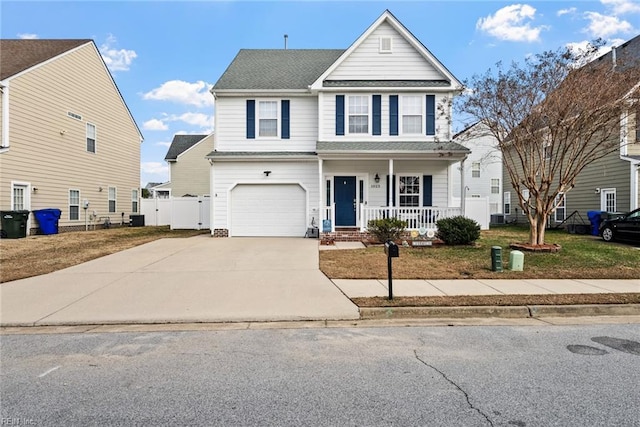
x=538 y=375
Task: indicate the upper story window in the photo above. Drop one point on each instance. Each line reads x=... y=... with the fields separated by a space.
x=268 y=118
x=412 y=114
x=91 y=138
x=495 y=185
x=638 y=124
x=358 y=114
x=134 y=201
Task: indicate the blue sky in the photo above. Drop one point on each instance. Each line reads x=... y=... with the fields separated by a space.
x=165 y=55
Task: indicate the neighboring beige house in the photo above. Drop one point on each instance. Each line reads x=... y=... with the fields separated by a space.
x=67 y=138
x=188 y=167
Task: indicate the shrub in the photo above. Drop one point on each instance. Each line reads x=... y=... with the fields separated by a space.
x=458 y=230
x=386 y=228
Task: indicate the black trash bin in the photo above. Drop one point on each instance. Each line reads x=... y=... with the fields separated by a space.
x=48 y=220
x=14 y=224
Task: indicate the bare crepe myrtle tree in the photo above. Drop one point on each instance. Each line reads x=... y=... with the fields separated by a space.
x=552 y=118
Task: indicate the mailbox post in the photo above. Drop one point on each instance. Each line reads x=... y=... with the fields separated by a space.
x=392 y=251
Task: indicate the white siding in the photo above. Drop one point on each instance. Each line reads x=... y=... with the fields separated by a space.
x=404 y=63
x=231 y=126
x=227 y=175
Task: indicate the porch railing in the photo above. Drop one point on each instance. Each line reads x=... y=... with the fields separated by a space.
x=418 y=217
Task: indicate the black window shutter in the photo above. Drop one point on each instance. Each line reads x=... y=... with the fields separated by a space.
x=377 y=114
x=339 y=114
x=251 y=118
x=393 y=114
x=427 y=190
x=393 y=191
x=431 y=115
x=284 y=113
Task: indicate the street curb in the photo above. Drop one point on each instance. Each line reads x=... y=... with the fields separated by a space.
x=533 y=311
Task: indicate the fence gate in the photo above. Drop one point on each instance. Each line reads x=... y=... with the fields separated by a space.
x=190 y=213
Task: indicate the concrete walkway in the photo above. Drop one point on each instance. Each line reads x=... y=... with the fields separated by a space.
x=199 y=279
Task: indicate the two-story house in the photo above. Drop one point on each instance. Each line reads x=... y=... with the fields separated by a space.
x=333 y=138
x=67 y=138
x=188 y=167
x=483 y=172
x=610 y=184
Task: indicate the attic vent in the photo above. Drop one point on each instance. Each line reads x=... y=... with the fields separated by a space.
x=74 y=115
x=385 y=45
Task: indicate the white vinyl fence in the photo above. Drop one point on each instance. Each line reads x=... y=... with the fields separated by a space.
x=190 y=213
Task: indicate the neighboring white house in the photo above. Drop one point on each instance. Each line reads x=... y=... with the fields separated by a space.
x=483 y=167
x=334 y=138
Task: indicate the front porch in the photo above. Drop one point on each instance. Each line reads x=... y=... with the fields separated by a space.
x=421 y=219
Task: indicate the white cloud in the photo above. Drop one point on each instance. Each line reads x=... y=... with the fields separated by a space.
x=27 y=36
x=155 y=124
x=605 y=26
x=195 y=119
x=568 y=11
x=509 y=24
x=116 y=60
x=621 y=7
x=196 y=94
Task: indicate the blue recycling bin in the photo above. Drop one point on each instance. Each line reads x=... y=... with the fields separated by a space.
x=595 y=218
x=48 y=220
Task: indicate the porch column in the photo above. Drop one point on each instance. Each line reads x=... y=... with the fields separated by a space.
x=390 y=186
x=463 y=192
x=321 y=207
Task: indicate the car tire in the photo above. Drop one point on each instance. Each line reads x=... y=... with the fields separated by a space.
x=607 y=234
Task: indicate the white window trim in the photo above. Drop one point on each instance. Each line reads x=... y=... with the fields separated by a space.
x=115 y=199
x=278 y=118
x=419 y=194
x=563 y=206
x=27 y=194
x=603 y=199
x=70 y=204
x=381 y=48
x=474 y=169
x=497 y=186
x=506 y=200
x=423 y=108
x=135 y=199
x=95 y=138
x=369 y=115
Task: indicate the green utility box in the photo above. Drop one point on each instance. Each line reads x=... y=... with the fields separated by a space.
x=14 y=224
x=496 y=258
x=516 y=261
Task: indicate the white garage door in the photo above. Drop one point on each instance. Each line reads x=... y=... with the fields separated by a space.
x=268 y=210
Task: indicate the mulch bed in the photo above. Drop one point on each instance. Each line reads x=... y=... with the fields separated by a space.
x=499 y=300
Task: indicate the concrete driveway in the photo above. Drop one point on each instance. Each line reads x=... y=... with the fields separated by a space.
x=199 y=279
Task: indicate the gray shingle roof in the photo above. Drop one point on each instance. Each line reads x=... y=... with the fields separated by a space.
x=389 y=146
x=271 y=69
x=386 y=83
x=182 y=143
x=19 y=55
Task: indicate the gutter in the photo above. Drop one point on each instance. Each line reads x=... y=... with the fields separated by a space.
x=4 y=143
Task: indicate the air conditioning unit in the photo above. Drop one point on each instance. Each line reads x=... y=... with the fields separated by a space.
x=497 y=218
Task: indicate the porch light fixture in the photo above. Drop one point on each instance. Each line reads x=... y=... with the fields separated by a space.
x=377 y=178
x=266 y=173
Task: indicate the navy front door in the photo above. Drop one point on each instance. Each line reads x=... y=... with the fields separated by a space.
x=344 y=188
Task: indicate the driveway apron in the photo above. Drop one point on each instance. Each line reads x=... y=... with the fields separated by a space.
x=199 y=279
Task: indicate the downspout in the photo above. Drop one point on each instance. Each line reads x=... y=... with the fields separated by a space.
x=390 y=187
x=321 y=206
x=463 y=191
x=4 y=143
